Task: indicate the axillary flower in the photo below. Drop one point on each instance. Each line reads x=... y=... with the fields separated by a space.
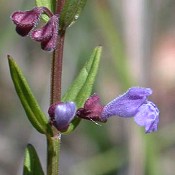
x=133 y=103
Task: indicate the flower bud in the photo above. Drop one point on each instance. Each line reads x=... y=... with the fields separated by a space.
x=47 y=35
x=26 y=20
x=61 y=114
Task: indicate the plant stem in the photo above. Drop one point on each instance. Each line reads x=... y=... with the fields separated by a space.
x=57 y=60
x=53 y=149
x=56 y=72
x=53 y=143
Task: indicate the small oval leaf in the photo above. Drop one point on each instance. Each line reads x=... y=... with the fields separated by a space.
x=71 y=12
x=30 y=104
x=82 y=86
x=32 y=165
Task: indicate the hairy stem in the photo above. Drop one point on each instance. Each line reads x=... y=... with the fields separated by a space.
x=53 y=149
x=56 y=72
x=53 y=143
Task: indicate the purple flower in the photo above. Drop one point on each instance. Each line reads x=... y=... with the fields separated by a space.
x=134 y=103
x=61 y=114
x=26 y=20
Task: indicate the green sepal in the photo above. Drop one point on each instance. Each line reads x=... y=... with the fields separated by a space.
x=32 y=165
x=70 y=13
x=82 y=86
x=30 y=104
x=50 y=4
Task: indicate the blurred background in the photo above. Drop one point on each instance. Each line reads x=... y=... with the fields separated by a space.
x=138 y=39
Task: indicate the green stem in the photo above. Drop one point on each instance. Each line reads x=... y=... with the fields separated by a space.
x=53 y=149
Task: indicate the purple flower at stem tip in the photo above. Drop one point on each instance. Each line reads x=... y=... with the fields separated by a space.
x=61 y=114
x=25 y=21
x=134 y=103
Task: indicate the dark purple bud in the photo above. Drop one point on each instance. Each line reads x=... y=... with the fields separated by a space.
x=61 y=114
x=47 y=35
x=92 y=109
x=26 y=20
x=134 y=103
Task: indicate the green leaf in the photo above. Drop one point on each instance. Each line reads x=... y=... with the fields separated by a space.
x=70 y=13
x=30 y=104
x=32 y=164
x=50 y=4
x=82 y=86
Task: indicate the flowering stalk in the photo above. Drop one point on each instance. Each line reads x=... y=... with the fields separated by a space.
x=53 y=144
x=56 y=70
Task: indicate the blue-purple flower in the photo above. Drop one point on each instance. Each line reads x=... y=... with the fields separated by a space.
x=61 y=114
x=133 y=103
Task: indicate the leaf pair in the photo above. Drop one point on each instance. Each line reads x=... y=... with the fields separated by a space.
x=79 y=91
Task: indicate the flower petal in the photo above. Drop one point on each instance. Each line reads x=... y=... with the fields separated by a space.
x=148 y=116
x=127 y=104
x=50 y=44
